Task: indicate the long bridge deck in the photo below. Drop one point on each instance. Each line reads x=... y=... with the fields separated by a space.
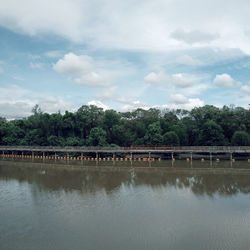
x=132 y=149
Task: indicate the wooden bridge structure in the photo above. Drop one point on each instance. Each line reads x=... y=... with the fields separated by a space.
x=133 y=151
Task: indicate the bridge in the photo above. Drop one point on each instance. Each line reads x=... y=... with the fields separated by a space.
x=133 y=150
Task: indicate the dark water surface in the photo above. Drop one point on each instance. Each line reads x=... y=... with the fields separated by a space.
x=42 y=207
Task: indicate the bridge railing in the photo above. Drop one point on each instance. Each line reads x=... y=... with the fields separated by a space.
x=132 y=148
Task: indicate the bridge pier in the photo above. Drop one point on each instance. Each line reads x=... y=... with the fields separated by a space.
x=211 y=159
x=231 y=159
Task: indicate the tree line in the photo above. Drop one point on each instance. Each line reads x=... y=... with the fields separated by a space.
x=92 y=126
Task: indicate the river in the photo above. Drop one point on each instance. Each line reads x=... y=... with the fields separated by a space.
x=98 y=207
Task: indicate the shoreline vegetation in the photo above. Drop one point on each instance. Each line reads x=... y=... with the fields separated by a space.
x=92 y=126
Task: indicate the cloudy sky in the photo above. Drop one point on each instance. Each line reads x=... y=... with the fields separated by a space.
x=116 y=54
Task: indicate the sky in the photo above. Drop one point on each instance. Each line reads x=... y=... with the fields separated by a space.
x=123 y=55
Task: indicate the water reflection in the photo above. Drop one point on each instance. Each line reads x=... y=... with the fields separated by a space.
x=206 y=182
x=55 y=207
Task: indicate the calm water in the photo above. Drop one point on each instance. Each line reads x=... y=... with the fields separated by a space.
x=58 y=208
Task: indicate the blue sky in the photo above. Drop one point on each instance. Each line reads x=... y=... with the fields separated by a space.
x=123 y=54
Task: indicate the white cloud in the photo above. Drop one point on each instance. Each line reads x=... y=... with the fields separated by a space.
x=224 y=80
x=15 y=110
x=60 y=17
x=156 y=78
x=133 y=24
x=193 y=36
x=112 y=94
x=16 y=102
x=72 y=64
x=52 y=104
x=184 y=80
x=189 y=60
x=98 y=104
x=189 y=105
x=245 y=89
x=195 y=89
x=178 y=99
x=82 y=68
x=134 y=105
x=185 y=84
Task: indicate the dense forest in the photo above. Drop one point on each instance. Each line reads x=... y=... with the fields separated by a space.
x=92 y=126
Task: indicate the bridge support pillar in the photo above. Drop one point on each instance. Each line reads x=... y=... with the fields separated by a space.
x=211 y=159
x=231 y=159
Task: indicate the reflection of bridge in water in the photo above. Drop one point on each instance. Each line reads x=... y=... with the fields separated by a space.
x=124 y=153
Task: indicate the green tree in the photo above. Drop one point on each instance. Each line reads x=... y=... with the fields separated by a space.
x=110 y=119
x=3 y=124
x=211 y=134
x=34 y=137
x=72 y=141
x=54 y=140
x=90 y=125
x=97 y=137
x=153 y=135
x=120 y=136
x=171 y=139
x=86 y=118
x=241 y=138
x=181 y=132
